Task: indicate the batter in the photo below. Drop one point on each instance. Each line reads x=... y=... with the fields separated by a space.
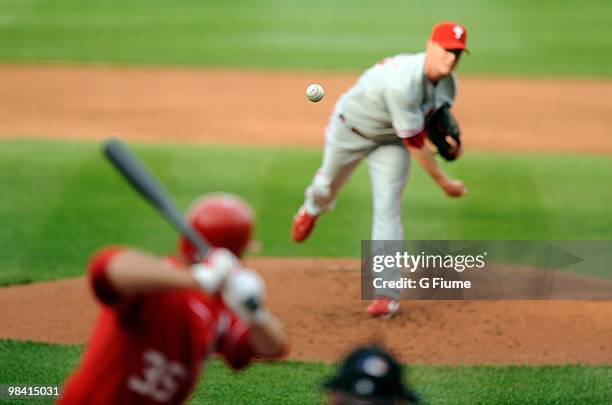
x=163 y=318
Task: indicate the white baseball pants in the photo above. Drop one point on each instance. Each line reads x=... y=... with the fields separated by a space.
x=389 y=165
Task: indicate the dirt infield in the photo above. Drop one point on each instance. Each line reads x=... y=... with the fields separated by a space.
x=319 y=301
x=317 y=298
x=270 y=108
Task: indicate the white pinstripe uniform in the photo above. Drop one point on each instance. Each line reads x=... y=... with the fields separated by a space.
x=389 y=101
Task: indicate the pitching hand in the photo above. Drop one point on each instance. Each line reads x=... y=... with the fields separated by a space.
x=454 y=188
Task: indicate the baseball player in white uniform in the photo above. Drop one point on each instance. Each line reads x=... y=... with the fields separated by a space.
x=383 y=118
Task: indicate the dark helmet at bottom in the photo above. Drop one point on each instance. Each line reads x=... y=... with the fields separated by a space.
x=224 y=220
x=370 y=375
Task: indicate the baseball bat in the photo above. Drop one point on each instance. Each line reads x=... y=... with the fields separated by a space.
x=143 y=180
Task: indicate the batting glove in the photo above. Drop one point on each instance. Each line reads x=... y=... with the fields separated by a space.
x=243 y=293
x=211 y=274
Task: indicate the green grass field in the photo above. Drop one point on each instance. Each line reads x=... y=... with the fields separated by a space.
x=62 y=200
x=67 y=201
x=299 y=382
x=520 y=37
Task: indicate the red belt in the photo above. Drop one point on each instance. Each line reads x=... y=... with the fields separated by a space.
x=353 y=129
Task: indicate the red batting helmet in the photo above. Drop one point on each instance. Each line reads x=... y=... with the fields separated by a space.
x=224 y=220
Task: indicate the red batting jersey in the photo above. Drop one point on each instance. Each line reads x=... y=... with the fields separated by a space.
x=150 y=349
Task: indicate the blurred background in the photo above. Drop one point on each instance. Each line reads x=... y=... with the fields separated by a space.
x=520 y=37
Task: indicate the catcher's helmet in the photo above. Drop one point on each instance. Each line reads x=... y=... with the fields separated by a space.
x=224 y=220
x=371 y=375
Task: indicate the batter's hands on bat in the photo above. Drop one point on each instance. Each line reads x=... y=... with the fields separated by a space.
x=211 y=274
x=454 y=188
x=244 y=292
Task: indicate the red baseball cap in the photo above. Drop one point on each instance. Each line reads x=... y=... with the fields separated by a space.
x=450 y=35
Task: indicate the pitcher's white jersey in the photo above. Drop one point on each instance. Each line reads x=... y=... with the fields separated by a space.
x=393 y=97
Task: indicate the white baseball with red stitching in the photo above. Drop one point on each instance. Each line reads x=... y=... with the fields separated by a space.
x=315 y=92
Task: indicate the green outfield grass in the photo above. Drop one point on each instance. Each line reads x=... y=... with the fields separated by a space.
x=526 y=37
x=67 y=201
x=298 y=382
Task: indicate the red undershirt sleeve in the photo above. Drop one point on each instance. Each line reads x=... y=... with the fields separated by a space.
x=417 y=141
x=235 y=347
x=104 y=291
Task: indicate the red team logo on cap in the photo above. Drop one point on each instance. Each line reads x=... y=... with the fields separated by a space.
x=458 y=30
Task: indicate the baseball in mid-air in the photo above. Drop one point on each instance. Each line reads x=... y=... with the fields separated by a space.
x=315 y=92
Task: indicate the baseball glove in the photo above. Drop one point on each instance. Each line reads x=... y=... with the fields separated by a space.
x=440 y=125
